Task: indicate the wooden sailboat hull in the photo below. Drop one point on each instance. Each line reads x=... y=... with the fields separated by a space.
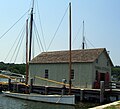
x=57 y=99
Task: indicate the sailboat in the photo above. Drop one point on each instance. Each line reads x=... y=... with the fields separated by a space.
x=57 y=99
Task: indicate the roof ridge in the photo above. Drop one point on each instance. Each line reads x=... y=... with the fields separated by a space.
x=80 y=55
x=74 y=50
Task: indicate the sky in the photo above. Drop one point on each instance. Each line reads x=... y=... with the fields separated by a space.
x=101 y=26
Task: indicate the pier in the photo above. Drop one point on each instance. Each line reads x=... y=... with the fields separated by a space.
x=100 y=95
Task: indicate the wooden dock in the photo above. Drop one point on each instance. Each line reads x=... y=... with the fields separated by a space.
x=97 y=95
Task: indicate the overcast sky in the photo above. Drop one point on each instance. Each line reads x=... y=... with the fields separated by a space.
x=101 y=17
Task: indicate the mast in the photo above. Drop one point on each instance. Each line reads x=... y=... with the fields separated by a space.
x=30 y=44
x=31 y=28
x=26 y=52
x=83 y=43
x=70 y=82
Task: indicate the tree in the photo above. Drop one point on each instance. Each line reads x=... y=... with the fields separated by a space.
x=116 y=72
x=15 y=68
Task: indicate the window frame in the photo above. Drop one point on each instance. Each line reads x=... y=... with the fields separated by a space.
x=46 y=74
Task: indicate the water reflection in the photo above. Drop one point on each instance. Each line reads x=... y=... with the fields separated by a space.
x=13 y=103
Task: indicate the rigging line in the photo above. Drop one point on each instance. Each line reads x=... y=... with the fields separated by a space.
x=90 y=43
x=13 y=46
x=41 y=26
x=23 y=56
x=77 y=34
x=17 y=45
x=85 y=43
x=13 y=25
x=37 y=40
x=86 y=46
x=57 y=28
x=39 y=37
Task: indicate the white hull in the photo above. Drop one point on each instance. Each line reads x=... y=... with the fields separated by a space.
x=62 y=99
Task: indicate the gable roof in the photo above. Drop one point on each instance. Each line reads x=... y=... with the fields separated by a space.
x=86 y=55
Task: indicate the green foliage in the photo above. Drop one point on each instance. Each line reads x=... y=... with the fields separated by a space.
x=113 y=107
x=15 y=68
x=116 y=72
x=110 y=107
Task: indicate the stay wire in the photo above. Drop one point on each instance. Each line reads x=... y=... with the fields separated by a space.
x=17 y=44
x=90 y=43
x=13 y=25
x=13 y=45
x=41 y=26
x=38 y=37
x=77 y=34
x=57 y=29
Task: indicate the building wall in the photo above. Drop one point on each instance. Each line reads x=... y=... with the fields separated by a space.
x=57 y=72
x=84 y=73
x=102 y=65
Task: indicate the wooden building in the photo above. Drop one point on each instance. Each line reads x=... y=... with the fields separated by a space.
x=89 y=67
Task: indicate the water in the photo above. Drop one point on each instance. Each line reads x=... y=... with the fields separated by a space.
x=3 y=80
x=13 y=103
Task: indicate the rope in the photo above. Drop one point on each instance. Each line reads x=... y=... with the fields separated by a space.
x=17 y=52
x=53 y=81
x=41 y=25
x=57 y=29
x=38 y=37
x=17 y=46
x=12 y=26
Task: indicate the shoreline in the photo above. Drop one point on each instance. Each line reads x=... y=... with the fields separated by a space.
x=106 y=105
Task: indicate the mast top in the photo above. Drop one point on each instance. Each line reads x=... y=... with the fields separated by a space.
x=33 y=4
x=83 y=43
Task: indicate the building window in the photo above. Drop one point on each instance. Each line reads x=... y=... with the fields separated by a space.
x=96 y=78
x=107 y=63
x=46 y=73
x=97 y=61
x=72 y=74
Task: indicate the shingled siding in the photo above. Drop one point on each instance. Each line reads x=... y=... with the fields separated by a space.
x=57 y=72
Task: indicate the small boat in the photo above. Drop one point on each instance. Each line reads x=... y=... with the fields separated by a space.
x=56 y=99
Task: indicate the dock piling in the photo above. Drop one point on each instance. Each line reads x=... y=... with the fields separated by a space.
x=31 y=85
x=9 y=84
x=81 y=94
x=46 y=90
x=102 y=90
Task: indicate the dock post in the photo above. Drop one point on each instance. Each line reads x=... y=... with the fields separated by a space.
x=63 y=90
x=102 y=90
x=9 y=84
x=81 y=94
x=17 y=87
x=31 y=85
x=14 y=87
x=63 y=87
x=1 y=88
x=46 y=90
x=117 y=98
